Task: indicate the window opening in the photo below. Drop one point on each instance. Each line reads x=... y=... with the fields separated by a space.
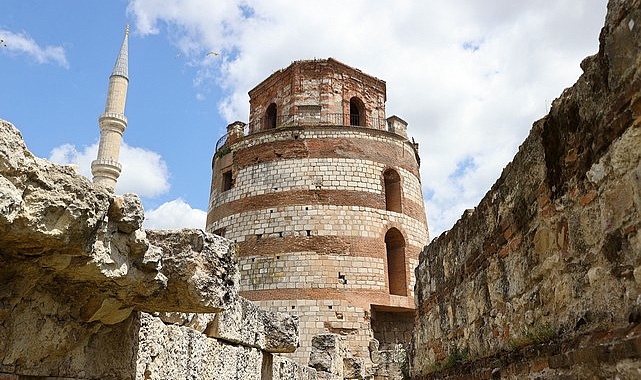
x=227 y=181
x=356 y=112
x=270 y=117
x=392 y=190
x=396 y=273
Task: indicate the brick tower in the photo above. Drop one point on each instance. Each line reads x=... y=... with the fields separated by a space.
x=322 y=194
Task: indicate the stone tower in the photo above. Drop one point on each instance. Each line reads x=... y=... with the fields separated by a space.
x=106 y=168
x=322 y=194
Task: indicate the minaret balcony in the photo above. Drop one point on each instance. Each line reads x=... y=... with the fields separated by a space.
x=113 y=119
x=106 y=166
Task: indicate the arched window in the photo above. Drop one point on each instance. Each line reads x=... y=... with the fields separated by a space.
x=392 y=190
x=395 y=247
x=356 y=112
x=270 y=117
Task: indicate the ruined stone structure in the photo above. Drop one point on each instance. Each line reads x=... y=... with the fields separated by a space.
x=87 y=293
x=543 y=278
x=323 y=197
x=106 y=168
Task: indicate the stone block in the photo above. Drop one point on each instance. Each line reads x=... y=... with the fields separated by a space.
x=245 y=323
x=353 y=368
x=287 y=369
x=179 y=352
x=327 y=354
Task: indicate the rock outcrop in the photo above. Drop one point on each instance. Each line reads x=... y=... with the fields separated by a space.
x=87 y=293
x=543 y=278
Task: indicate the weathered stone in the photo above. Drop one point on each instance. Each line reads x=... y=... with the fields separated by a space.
x=393 y=363
x=127 y=212
x=327 y=355
x=177 y=352
x=287 y=369
x=244 y=323
x=353 y=368
x=250 y=325
x=75 y=263
x=552 y=252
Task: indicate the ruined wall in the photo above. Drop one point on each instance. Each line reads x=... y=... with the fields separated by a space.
x=87 y=293
x=543 y=278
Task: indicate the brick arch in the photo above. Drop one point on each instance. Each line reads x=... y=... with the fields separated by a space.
x=270 y=117
x=356 y=111
x=392 y=188
x=396 y=266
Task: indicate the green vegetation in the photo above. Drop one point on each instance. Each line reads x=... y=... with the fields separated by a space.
x=456 y=357
x=223 y=151
x=535 y=335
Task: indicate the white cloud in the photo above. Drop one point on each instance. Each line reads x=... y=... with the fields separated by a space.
x=144 y=172
x=469 y=77
x=22 y=43
x=175 y=214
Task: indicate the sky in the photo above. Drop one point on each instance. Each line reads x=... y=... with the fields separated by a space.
x=469 y=77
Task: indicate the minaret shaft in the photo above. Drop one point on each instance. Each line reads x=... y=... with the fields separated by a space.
x=117 y=94
x=106 y=168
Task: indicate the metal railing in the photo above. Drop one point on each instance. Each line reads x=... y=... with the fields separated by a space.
x=221 y=141
x=339 y=119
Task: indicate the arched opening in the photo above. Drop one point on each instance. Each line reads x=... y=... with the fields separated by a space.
x=270 y=117
x=356 y=112
x=395 y=247
x=392 y=190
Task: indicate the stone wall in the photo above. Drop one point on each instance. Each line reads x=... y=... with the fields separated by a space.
x=87 y=293
x=543 y=278
x=262 y=156
x=293 y=270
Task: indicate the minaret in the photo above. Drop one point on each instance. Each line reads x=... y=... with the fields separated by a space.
x=106 y=168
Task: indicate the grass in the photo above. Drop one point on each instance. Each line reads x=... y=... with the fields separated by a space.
x=455 y=357
x=223 y=151
x=535 y=335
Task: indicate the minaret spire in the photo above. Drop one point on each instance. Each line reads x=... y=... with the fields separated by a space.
x=106 y=168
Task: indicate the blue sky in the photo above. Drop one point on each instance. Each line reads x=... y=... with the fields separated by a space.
x=469 y=77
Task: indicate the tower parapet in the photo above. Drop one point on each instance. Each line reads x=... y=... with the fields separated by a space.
x=106 y=168
x=323 y=196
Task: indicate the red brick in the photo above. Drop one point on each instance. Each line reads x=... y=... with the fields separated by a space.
x=587 y=198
